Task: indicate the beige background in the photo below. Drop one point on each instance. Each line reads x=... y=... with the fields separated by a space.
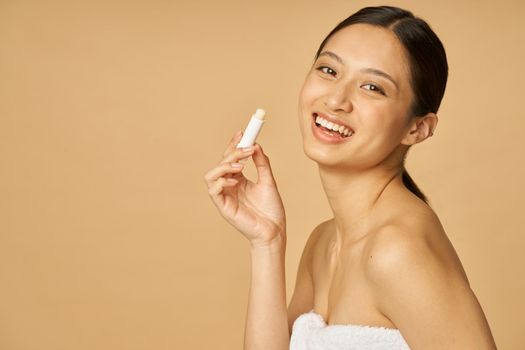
x=112 y=111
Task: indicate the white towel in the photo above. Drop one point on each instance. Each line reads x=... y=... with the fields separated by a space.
x=310 y=332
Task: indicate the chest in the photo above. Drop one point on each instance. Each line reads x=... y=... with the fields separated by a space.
x=342 y=294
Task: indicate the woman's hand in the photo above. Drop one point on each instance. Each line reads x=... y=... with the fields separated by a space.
x=255 y=209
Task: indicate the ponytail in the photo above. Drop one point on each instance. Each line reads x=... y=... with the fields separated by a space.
x=411 y=185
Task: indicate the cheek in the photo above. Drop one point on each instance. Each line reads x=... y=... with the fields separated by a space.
x=310 y=91
x=385 y=127
x=385 y=117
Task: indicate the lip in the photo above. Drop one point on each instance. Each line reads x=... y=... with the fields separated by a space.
x=324 y=136
x=333 y=120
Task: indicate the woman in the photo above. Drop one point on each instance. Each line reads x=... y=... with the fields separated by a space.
x=383 y=266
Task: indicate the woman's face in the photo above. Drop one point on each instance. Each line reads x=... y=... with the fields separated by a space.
x=360 y=80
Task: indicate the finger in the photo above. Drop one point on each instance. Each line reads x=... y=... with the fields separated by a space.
x=219 y=185
x=216 y=190
x=222 y=170
x=233 y=143
x=262 y=163
x=238 y=154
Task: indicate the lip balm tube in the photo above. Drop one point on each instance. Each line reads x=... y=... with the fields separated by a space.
x=253 y=129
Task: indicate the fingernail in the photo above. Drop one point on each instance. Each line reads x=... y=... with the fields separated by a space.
x=237 y=165
x=248 y=149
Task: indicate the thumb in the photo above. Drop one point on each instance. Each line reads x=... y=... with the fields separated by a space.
x=262 y=163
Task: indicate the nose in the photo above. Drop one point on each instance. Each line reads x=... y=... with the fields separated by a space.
x=338 y=99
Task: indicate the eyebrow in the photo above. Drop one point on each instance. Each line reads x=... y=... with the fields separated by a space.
x=363 y=70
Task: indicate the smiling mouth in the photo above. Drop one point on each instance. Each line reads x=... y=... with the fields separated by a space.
x=331 y=128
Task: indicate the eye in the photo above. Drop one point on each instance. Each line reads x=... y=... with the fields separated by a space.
x=326 y=70
x=373 y=87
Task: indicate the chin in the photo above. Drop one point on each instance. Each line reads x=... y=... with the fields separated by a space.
x=323 y=156
x=318 y=152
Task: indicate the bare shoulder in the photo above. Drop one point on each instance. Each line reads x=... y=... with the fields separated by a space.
x=415 y=243
x=418 y=282
x=317 y=233
x=417 y=238
x=313 y=242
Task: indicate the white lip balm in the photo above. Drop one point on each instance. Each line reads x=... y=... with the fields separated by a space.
x=253 y=129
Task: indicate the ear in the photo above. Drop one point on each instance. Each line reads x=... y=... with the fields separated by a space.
x=420 y=128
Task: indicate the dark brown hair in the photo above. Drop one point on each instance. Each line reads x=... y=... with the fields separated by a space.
x=427 y=60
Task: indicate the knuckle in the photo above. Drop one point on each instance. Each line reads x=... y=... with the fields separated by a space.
x=209 y=176
x=228 y=159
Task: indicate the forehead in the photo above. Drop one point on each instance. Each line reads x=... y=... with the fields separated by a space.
x=368 y=46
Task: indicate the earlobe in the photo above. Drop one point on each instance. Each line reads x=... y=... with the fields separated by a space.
x=420 y=129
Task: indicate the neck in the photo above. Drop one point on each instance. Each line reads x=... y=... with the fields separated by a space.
x=353 y=196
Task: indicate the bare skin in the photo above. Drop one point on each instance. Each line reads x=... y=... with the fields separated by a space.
x=384 y=259
x=344 y=283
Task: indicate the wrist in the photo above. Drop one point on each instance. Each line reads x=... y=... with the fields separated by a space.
x=277 y=244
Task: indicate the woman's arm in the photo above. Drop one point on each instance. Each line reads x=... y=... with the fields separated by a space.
x=267 y=320
x=255 y=209
x=302 y=300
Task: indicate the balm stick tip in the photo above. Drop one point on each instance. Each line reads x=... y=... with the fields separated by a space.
x=252 y=129
x=259 y=114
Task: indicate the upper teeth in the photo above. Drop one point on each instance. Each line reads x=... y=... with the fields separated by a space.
x=332 y=126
